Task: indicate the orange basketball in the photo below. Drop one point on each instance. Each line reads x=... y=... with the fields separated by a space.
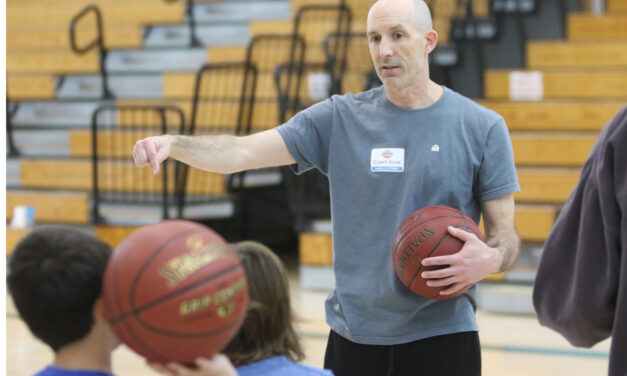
x=424 y=234
x=175 y=291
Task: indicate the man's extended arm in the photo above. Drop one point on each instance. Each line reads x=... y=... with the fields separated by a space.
x=216 y=153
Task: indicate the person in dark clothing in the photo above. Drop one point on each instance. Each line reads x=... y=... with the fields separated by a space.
x=581 y=285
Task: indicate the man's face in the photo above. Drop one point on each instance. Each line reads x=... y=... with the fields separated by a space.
x=397 y=48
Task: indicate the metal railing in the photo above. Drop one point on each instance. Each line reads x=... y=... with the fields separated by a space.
x=335 y=49
x=98 y=42
x=115 y=179
x=11 y=149
x=191 y=21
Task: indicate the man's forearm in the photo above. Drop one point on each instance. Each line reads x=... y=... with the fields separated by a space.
x=215 y=153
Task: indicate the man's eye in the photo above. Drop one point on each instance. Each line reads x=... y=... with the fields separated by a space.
x=375 y=39
x=398 y=35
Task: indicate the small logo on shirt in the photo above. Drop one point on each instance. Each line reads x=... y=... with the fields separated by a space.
x=435 y=148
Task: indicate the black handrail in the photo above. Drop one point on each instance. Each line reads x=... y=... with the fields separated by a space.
x=164 y=128
x=13 y=151
x=98 y=42
x=189 y=11
x=335 y=53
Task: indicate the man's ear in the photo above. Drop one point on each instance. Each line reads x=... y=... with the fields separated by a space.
x=431 y=36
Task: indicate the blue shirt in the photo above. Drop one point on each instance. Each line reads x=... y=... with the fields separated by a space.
x=54 y=371
x=280 y=366
x=453 y=153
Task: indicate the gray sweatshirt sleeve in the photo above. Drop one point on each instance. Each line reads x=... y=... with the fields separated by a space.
x=581 y=285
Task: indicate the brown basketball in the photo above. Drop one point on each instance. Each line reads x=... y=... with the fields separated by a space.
x=175 y=291
x=424 y=234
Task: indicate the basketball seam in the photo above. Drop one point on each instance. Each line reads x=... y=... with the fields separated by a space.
x=137 y=310
x=428 y=255
x=408 y=230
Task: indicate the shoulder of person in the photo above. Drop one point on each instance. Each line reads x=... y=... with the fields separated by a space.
x=306 y=370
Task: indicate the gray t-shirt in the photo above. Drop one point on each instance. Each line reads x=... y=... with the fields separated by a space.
x=383 y=163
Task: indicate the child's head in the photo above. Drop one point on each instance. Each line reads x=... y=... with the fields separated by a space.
x=55 y=276
x=267 y=330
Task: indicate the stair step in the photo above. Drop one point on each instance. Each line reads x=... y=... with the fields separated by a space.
x=597 y=27
x=21 y=87
x=578 y=84
x=55 y=37
x=185 y=59
x=13 y=172
x=588 y=54
x=113 y=14
x=112 y=235
x=616 y=6
x=63 y=61
x=505 y=298
x=209 y=35
x=120 y=85
x=555 y=149
x=555 y=115
x=41 y=142
x=548 y=185
x=242 y=11
x=50 y=114
x=51 y=206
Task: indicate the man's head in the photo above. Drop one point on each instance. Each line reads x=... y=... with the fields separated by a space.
x=267 y=329
x=401 y=36
x=55 y=277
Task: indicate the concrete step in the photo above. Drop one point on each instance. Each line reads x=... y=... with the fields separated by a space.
x=231 y=34
x=55 y=114
x=13 y=172
x=157 y=60
x=41 y=142
x=132 y=86
x=505 y=298
x=242 y=11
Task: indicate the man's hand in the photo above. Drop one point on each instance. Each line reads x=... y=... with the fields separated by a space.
x=151 y=151
x=218 y=365
x=471 y=264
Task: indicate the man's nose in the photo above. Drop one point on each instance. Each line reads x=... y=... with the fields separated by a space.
x=385 y=48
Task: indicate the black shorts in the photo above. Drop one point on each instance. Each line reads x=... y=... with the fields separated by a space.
x=457 y=354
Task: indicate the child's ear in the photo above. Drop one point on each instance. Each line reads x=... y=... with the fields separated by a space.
x=98 y=310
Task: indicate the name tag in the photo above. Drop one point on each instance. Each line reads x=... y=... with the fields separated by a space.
x=387 y=160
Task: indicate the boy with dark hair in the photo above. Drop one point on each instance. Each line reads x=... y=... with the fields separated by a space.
x=55 y=277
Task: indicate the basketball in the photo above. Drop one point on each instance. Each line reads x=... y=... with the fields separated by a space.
x=175 y=291
x=424 y=234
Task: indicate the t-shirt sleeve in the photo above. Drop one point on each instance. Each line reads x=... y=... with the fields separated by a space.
x=497 y=174
x=307 y=136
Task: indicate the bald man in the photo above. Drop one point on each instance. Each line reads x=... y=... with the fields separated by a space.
x=447 y=150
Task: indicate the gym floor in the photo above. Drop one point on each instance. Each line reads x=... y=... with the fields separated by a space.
x=512 y=345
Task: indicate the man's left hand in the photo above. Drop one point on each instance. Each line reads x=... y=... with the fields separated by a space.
x=471 y=264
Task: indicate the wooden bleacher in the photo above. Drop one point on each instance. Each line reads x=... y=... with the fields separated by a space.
x=76 y=174
x=113 y=13
x=31 y=86
x=566 y=84
x=63 y=207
